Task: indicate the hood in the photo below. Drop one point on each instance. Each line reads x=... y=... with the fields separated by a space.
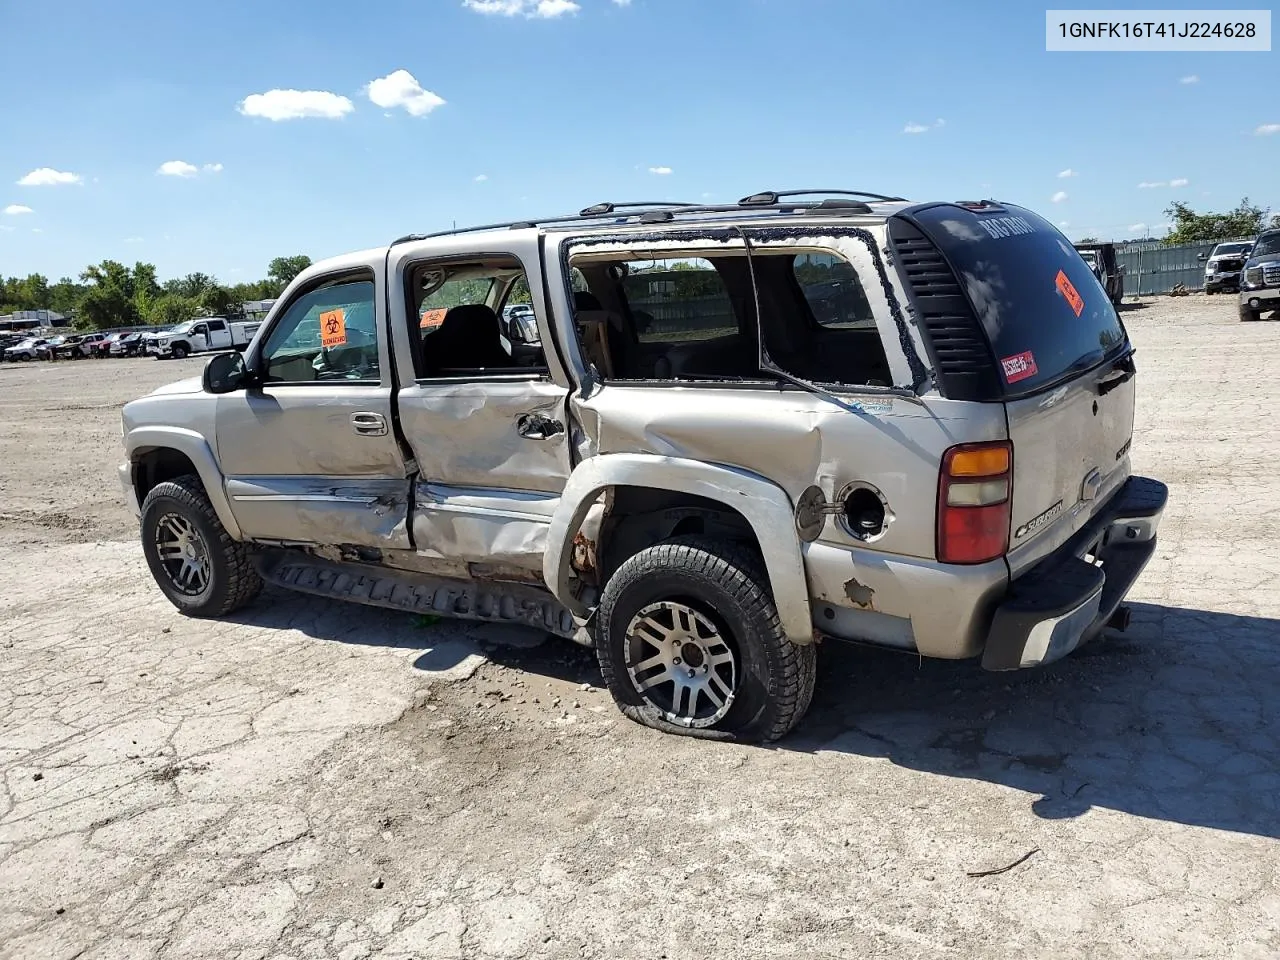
x=190 y=385
x=1265 y=258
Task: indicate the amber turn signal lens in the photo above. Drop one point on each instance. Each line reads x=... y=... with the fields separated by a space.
x=985 y=461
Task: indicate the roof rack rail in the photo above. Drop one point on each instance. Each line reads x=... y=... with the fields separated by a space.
x=768 y=198
x=665 y=211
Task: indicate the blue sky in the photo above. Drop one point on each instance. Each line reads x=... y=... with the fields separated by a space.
x=559 y=104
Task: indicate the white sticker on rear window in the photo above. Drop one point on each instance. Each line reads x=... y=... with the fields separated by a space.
x=999 y=227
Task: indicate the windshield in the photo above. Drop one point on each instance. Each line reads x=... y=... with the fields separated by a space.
x=1267 y=246
x=1043 y=310
x=1226 y=249
x=181 y=328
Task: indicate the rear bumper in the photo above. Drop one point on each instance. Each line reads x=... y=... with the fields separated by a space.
x=1066 y=599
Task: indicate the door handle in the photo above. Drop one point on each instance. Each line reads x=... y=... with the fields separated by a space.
x=369 y=424
x=535 y=426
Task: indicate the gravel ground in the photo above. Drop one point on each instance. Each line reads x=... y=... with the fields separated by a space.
x=314 y=780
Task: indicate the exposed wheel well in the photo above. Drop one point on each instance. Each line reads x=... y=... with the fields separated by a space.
x=156 y=466
x=639 y=517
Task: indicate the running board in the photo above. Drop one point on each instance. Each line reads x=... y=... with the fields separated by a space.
x=490 y=601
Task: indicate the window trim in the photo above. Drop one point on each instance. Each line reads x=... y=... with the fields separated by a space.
x=256 y=360
x=409 y=268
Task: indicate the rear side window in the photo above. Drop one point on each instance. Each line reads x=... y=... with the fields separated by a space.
x=1041 y=306
x=834 y=292
x=679 y=301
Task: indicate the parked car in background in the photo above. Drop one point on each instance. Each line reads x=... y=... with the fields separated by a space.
x=27 y=349
x=45 y=350
x=79 y=346
x=1223 y=266
x=1103 y=263
x=126 y=345
x=203 y=335
x=1260 y=278
x=915 y=463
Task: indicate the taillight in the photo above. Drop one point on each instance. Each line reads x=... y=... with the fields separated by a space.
x=975 y=491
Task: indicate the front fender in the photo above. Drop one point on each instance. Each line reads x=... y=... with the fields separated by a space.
x=195 y=448
x=765 y=505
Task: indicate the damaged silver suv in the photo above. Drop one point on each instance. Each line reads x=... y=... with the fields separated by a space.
x=728 y=432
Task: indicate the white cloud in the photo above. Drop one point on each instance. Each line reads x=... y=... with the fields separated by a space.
x=212 y=168
x=622 y=3
x=48 y=177
x=1267 y=129
x=481 y=178
x=36 y=230
x=15 y=209
x=542 y=9
x=1151 y=184
x=1059 y=196
x=549 y=9
x=913 y=127
x=661 y=171
x=401 y=89
x=1179 y=182
x=1064 y=223
x=6 y=228
x=1063 y=174
x=1192 y=78
x=1137 y=228
x=293 y=104
x=132 y=239
x=177 y=168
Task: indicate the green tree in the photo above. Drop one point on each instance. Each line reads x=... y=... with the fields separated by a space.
x=1245 y=220
x=171 y=308
x=109 y=301
x=65 y=296
x=282 y=270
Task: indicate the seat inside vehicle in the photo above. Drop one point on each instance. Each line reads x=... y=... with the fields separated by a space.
x=468 y=338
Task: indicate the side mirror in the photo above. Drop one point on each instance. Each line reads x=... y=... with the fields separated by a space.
x=226 y=372
x=1203 y=257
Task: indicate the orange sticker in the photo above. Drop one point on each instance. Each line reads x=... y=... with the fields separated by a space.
x=432 y=318
x=333 y=328
x=1066 y=288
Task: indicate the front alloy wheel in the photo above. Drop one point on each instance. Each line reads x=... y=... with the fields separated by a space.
x=184 y=556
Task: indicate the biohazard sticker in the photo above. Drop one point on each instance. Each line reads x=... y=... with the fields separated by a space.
x=432 y=319
x=1068 y=290
x=333 y=328
x=1019 y=367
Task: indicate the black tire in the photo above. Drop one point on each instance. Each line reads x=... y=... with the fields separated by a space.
x=231 y=581
x=725 y=583
x=180 y=351
x=1247 y=314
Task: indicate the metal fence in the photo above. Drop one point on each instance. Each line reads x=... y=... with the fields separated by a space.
x=1154 y=267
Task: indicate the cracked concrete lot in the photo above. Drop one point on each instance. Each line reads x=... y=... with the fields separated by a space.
x=313 y=780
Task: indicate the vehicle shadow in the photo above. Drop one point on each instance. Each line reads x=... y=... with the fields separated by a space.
x=443 y=643
x=1173 y=720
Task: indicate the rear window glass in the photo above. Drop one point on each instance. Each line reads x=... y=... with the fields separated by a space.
x=834 y=292
x=1042 y=307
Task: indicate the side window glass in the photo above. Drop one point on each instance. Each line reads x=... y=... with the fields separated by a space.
x=462 y=331
x=329 y=334
x=679 y=301
x=834 y=292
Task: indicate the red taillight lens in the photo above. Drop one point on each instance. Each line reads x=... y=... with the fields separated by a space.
x=975 y=490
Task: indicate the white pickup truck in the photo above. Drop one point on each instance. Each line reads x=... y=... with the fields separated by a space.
x=202 y=335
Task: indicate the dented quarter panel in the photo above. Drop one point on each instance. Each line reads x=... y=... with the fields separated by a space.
x=798 y=440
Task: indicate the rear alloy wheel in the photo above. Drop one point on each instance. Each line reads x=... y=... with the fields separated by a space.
x=193 y=559
x=689 y=642
x=180 y=351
